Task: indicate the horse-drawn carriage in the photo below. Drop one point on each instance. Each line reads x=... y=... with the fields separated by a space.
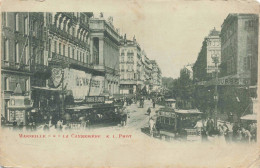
x=86 y=115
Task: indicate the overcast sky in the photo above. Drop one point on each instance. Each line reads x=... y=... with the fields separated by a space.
x=172 y=33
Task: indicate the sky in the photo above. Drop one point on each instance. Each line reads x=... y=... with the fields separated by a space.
x=170 y=31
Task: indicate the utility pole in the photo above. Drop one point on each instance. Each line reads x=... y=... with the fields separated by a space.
x=216 y=61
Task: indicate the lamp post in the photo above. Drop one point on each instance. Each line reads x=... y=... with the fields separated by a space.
x=62 y=94
x=216 y=61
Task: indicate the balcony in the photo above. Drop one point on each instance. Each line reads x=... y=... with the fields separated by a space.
x=14 y=66
x=61 y=58
x=68 y=36
x=70 y=15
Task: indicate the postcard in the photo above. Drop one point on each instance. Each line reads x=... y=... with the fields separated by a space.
x=148 y=84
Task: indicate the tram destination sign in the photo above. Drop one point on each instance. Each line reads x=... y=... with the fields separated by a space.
x=95 y=99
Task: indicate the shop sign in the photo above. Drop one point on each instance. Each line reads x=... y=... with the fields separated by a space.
x=95 y=99
x=226 y=81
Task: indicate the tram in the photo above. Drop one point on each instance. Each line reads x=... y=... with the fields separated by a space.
x=178 y=124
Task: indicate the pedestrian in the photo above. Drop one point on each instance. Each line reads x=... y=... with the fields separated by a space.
x=46 y=127
x=59 y=124
x=226 y=131
x=149 y=111
x=210 y=127
x=235 y=129
x=221 y=135
x=246 y=135
x=204 y=135
x=153 y=103
x=3 y=120
x=151 y=126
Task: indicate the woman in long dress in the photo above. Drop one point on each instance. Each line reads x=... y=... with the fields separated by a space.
x=221 y=136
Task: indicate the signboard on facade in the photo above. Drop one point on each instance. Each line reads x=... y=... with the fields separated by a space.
x=95 y=99
x=226 y=81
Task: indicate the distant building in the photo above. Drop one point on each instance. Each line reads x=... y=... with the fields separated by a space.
x=146 y=72
x=188 y=70
x=130 y=66
x=239 y=52
x=204 y=67
x=156 y=76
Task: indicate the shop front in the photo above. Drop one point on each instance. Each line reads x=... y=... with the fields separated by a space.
x=19 y=107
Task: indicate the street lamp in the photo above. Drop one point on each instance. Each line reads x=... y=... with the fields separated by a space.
x=216 y=61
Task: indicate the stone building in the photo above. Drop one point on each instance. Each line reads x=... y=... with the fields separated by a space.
x=22 y=58
x=204 y=67
x=69 y=55
x=156 y=76
x=104 y=49
x=130 y=66
x=239 y=52
x=146 y=72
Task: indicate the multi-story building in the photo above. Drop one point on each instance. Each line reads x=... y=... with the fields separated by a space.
x=130 y=66
x=21 y=62
x=209 y=56
x=156 y=76
x=146 y=72
x=104 y=48
x=69 y=57
x=239 y=52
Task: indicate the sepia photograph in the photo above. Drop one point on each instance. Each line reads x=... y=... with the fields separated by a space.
x=129 y=84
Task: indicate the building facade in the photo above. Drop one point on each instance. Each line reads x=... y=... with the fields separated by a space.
x=22 y=58
x=205 y=65
x=130 y=66
x=104 y=50
x=156 y=76
x=146 y=72
x=239 y=52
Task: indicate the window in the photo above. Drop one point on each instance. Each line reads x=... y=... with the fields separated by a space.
x=245 y=63
x=80 y=58
x=83 y=57
x=49 y=48
x=16 y=22
x=60 y=48
x=69 y=52
x=64 y=50
x=26 y=85
x=6 y=50
x=73 y=53
x=26 y=25
x=16 y=53
x=6 y=83
x=55 y=46
x=87 y=58
x=26 y=54
x=4 y=17
x=73 y=31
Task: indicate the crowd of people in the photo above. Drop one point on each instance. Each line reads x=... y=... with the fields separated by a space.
x=236 y=132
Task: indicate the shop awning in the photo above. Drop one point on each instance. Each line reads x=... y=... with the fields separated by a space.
x=46 y=88
x=249 y=117
x=20 y=107
x=79 y=107
x=118 y=96
x=190 y=111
